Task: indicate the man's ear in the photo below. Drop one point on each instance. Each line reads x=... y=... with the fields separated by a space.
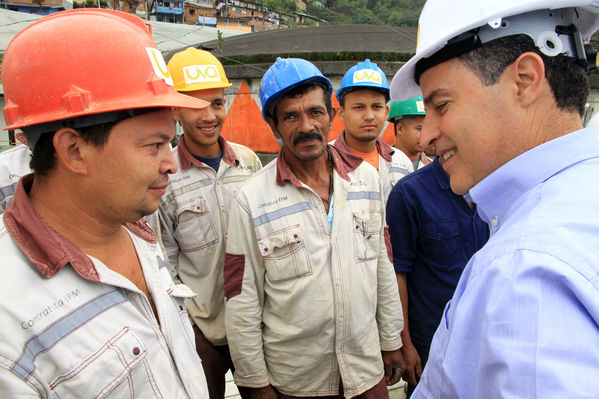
x=71 y=150
x=273 y=127
x=398 y=129
x=339 y=113
x=528 y=75
x=333 y=113
x=176 y=114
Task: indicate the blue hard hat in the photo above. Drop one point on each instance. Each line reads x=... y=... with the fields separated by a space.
x=284 y=75
x=364 y=74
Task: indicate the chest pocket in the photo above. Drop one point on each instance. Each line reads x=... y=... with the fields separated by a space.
x=441 y=242
x=285 y=254
x=367 y=234
x=116 y=370
x=195 y=226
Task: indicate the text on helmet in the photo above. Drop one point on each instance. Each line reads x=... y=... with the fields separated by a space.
x=368 y=75
x=200 y=74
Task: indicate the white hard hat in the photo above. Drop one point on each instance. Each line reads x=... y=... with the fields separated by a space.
x=450 y=28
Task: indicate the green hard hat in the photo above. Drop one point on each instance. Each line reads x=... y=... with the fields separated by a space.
x=399 y=109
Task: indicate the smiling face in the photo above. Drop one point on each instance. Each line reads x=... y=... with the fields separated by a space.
x=202 y=126
x=129 y=173
x=363 y=113
x=470 y=124
x=303 y=124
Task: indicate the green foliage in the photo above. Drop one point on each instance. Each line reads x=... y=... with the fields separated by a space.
x=377 y=12
x=281 y=5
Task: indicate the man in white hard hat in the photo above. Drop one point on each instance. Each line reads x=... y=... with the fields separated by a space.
x=505 y=86
x=312 y=304
x=195 y=209
x=88 y=307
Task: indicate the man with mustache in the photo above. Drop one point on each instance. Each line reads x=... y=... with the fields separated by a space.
x=195 y=209
x=505 y=86
x=88 y=307
x=312 y=303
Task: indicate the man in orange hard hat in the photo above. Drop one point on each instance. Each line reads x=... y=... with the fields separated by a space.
x=89 y=309
x=195 y=208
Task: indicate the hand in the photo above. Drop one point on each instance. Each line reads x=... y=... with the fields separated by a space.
x=413 y=364
x=394 y=365
x=264 y=393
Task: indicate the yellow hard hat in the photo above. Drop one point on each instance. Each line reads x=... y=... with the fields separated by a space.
x=193 y=69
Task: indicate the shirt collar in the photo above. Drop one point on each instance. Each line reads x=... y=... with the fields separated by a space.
x=384 y=149
x=343 y=163
x=440 y=175
x=496 y=193
x=48 y=250
x=187 y=159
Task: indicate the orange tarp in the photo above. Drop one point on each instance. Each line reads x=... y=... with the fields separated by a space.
x=244 y=124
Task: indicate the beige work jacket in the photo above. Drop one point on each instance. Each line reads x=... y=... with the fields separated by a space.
x=309 y=305
x=194 y=214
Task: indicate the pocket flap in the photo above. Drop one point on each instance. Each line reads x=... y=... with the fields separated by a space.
x=440 y=230
x=196 y=205
x=368 y=222
x=279 y=239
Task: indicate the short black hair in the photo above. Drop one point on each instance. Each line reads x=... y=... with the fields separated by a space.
x=43 y=157
x=566 y=76
x=300 y=91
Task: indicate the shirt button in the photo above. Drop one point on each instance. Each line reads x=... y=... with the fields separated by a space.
x=494 y=222
x=136 y=351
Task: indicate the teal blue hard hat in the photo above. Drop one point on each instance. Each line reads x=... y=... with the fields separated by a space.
x=413 y=106
x=364 y=75
x=284 y=75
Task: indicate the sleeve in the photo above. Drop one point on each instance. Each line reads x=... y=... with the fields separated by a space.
x=403 y=228
x=244 y=292
x=168 y=242
x=389 y=314
x=526 y=324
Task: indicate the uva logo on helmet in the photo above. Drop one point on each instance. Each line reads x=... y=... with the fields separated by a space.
x=367 y=75
x=159 y=65
x=200 y=74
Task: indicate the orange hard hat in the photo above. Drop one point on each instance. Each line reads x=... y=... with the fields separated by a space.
x=84 y=62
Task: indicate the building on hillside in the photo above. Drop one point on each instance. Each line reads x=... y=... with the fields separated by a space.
x=41 y=7
x=169 y=10
x=200 y=12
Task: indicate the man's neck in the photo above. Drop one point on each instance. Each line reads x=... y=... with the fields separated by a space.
x=204 y=151
x=56 y=202
x=412 y=156
x=365 y=147
x=309 y=171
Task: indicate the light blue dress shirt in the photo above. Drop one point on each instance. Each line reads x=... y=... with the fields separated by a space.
x=524 y=319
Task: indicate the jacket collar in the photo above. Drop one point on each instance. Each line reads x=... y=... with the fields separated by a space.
x=384 y=149
x=343 y=163
x=48 y=250
x=187 y=159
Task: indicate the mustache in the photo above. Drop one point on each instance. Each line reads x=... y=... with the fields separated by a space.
x=307 y=136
